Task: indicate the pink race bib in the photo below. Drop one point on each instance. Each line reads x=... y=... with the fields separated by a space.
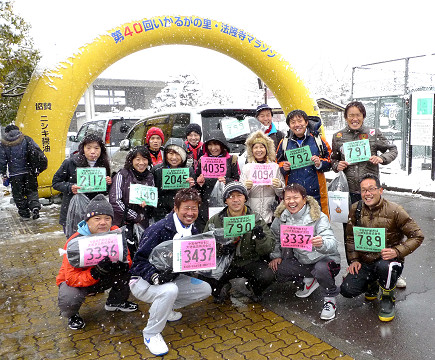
x=298 y=237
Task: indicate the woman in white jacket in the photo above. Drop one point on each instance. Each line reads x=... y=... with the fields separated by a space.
x=261 y=198
x=309 y=269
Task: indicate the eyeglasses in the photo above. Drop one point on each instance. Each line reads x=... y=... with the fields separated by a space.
x=371 y=190
x=351 y=116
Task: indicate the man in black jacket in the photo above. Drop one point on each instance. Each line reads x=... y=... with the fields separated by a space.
x=14 y=152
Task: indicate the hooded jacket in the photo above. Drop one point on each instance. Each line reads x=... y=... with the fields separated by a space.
x=78 y=277
x=311 y=178
x=232 y=174
x=66 y=176
x=13 y=153
x=262 y=197
x=165 y=203
x=378 y=144
x=309 y=215
x=397 y=224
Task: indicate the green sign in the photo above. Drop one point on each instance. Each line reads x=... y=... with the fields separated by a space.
x=91 y=179
x=175 y=178
x=369 y=239
x=299 y=157
x=424 y=106
x=357 y=151
x=238 y=225
x=140 y=193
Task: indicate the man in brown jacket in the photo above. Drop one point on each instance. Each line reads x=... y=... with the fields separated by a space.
x=379 y=265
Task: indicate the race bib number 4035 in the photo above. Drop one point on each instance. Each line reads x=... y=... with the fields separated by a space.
x=213 y=167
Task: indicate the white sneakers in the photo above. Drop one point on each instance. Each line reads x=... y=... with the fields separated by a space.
x=401 y=283
x=156 y=345
x=174 y=316
x=328 y=311
x=310 y=284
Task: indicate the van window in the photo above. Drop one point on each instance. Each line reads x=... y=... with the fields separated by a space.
x=120 y=129
x=180 y=123
x=92 y=127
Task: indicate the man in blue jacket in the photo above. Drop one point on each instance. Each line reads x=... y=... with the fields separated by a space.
x=166 y=290
x=14 y=149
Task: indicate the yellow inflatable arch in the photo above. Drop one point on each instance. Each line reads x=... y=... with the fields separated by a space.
x=52 y=95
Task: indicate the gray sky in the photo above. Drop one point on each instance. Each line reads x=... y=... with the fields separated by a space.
x=309 y=34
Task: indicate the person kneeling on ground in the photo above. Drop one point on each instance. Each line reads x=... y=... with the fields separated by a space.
x=166 y=290
x=76 y=283
x=369 y=270
x=309 y=269
x=248 y=249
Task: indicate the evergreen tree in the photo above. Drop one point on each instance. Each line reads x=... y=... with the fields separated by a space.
x=18 y=59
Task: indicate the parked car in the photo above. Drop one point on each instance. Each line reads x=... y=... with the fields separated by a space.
x=112 y=127
x=173 y=123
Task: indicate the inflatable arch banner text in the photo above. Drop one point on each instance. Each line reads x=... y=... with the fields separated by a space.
x=52 y=95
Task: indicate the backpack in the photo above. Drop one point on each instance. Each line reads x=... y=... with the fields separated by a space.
x=317 y=139
x=35 y=157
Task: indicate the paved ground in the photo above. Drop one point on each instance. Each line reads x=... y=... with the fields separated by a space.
x=31 y=328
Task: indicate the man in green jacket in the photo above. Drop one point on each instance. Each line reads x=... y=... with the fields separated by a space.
x=249 y=249
x=375 y=261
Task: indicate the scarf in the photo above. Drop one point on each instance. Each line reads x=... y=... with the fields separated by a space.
x=182 y=230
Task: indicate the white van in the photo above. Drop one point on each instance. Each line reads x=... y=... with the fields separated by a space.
x=111 y=127
x=173 y=123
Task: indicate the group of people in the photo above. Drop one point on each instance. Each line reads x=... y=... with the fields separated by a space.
x=296 y=196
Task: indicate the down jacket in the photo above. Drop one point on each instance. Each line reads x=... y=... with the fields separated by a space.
x=78 y=277
x=249 y=248
x=262 y=197
x=310 y=177
x=66 y=176
x=157 y=233
x=13 y=153
x=397 y=224
x=309 y=215
x=379 y=145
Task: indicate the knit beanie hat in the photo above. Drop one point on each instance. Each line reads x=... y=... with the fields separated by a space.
x=234 y=186
x=154 y=131
x=98 y=206
x=179 y=150
x=193 y=127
